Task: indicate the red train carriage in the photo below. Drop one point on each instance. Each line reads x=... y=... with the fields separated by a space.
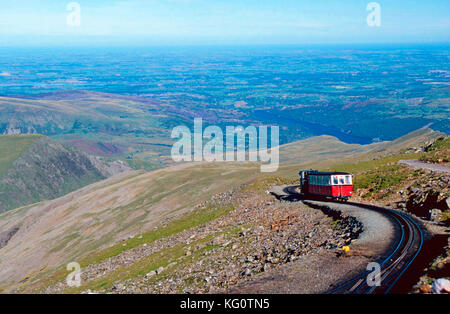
x=337 y=185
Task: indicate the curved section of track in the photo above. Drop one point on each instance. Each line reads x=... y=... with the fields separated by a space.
x=405 y=251
x=395 y=265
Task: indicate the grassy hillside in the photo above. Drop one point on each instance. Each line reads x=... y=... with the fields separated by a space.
x=66 y=229
x=40 y=169
x=36 y=168
x=382 y=176
x=439 y=152
x=416 y=139
x=328 y=148
x=12 y=147
x=318 y=148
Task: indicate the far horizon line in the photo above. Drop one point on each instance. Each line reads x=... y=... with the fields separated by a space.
x=234 y=45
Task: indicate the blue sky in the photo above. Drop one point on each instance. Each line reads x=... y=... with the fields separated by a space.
x=43 y=22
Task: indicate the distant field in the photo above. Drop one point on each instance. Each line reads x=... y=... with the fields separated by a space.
x=359 y=95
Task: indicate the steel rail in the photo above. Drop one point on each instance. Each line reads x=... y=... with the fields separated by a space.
x=395 y=265
x=399 y=260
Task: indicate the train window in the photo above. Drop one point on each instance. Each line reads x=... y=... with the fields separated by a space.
x=341 y=180
x=335 y=180
x=348 y=180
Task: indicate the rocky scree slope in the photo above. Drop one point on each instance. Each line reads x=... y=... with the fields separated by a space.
x=258 y=233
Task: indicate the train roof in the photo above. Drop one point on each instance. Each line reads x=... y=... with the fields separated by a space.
x=317 y=173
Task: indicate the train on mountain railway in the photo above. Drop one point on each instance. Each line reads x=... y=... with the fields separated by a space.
x=335 y=185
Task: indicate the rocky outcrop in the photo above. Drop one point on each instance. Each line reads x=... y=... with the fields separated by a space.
x=428 y=199
x=5 y=236
x=436 y=272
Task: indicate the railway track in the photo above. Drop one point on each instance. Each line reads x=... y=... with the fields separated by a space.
x=405 y=251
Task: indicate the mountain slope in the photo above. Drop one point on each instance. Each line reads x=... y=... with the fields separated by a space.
x=96 y=218
x=328 y=147
x=97 y=123
x=418 y=138
x=318 y=148
x=112 y=125
x=11 y=147
x=64 y=230
x=35 y=168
